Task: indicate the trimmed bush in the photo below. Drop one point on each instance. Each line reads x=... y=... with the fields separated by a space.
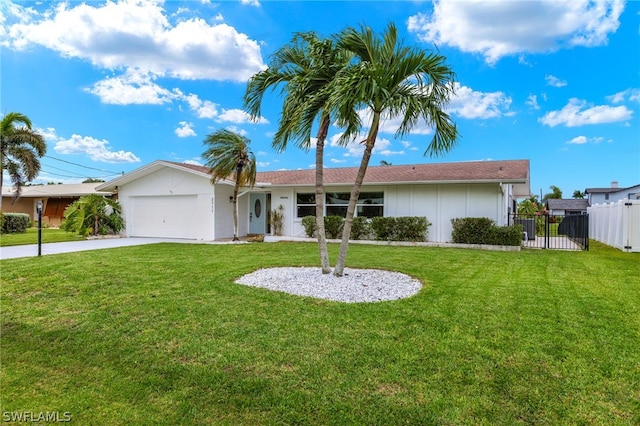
x=359 y=228
x=482 y=230
x=405 y=228
x=15 y=222
x=333 y=226
x=309 y=225
x=412 y=228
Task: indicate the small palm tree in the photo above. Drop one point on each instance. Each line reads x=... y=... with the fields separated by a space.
x=389 y=80
x=579 y=194
x=20 y=150
x=93 y=215
x=304 y=69
x=228 y=156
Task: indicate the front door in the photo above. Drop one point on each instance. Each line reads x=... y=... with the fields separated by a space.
x=257 y=213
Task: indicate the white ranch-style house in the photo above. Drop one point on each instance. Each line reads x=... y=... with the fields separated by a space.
x=177 y=200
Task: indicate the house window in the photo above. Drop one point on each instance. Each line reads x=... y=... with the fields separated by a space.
x=606 y=196
x=370 y=204
x=305 y=204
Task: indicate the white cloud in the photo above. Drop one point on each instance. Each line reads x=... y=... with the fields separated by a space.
x=581 y=140
x=337 y=161
x=236 y=129
x=195 y=162
x=136 y=34
x=97 y=150
x=254 y=3
x=469 y=103
x=355 y=148
x=262 y=163
x=132 y=87
x=185 y=130
x=238 y=116
x=554 y=81
x=576 y=113
x=632 y=95
x=532 y=101
x=487 y=26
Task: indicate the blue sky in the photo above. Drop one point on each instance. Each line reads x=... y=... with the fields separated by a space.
x=116 y=85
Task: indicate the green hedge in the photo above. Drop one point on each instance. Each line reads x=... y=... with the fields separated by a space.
x=482 y=230
x=405 y=228
x=360 y=228
x=15 y=222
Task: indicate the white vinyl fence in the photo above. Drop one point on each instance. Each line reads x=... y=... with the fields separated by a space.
x=616 y=224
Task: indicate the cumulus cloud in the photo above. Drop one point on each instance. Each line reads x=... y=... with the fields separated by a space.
x=237 y=116
x=554 y=81
x=97 y=150
x=238 y=130
x=133 y=87
x=208 y=109
x=487 y=26
x=469 y=103
x=136 y=34
x=185 y=130
x=632 y=95
x=355 y=147
x=577 y=113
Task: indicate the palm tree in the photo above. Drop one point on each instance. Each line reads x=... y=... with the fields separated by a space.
x=304 y=69
x=579 y=194
x=92 y=215
x=389 y=80
x=555 y=194
x=20 y=150
x=228 y=155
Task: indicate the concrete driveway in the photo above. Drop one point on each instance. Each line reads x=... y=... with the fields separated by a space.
x=31 y=250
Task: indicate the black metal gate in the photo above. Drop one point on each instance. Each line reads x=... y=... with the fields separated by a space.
x=556 y=232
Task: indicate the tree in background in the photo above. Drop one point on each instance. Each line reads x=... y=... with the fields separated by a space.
x=388 y=81
x=93 y=215
x=304 y=69
x=20 y=151
x=579 y=194
x=555 y=194
x=228 y=156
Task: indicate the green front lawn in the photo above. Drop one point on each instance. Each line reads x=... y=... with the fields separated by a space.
x=160 y=334
x=49 y=235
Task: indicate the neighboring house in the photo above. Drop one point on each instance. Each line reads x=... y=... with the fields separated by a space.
x=55 y=199
x=612 y=194
x=177 y=200
x=567 y=206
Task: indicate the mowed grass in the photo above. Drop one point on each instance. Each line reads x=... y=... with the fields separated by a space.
x=49 y=235
x=160 y=334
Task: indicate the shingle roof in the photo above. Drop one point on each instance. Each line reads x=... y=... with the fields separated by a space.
x=513 y=170
x=62 y=190
x=568 y=204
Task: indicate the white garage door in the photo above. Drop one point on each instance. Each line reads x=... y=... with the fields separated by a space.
x=164 y=216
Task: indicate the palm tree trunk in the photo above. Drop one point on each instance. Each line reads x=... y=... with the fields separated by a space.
x=355 y=193
x=322 y=239
x=235 y=212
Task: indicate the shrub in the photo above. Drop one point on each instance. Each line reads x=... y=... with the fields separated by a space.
x=412 y=228
x=383 y=228
x=309 y=225
x=15 y=222
x=482 y=230
x=405 y=228
x=92 y=215
x=359 y=228
x=333 y=226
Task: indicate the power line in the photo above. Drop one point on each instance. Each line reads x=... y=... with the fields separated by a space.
x=82 y=165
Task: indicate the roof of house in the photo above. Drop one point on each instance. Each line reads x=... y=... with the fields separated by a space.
x=507 y=171
x=567 y=204
x=57 y=191
x=609 y=190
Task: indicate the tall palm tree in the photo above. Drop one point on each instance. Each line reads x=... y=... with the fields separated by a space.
x=304 y=70
x=389 y=80
x=228 y=156
x=20 y=150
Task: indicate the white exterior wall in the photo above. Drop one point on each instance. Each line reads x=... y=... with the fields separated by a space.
x=169 y=186
x=438 y=203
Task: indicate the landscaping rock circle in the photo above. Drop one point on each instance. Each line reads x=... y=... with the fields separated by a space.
x=356 y=286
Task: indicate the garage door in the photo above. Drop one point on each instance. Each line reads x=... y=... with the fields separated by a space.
x=166 y=217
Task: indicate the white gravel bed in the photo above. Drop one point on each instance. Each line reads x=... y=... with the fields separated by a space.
x=356 y=286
